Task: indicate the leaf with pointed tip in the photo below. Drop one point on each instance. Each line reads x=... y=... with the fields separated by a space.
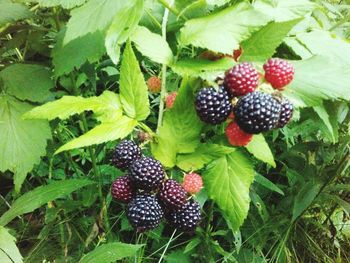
x=8 y=250
x=11 y=12
x=261 y=150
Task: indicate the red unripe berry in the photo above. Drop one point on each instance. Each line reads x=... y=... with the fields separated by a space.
x=170 y=99
x=192 y=183
x=236 y=136
x=154 y=84
x=278 y=72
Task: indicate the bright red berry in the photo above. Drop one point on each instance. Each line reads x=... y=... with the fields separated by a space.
x=122 y=189
x=278 y=72
x=236 y=136
x=241 y=79
x=170 y=99
x=154 y=84
x=192 y=183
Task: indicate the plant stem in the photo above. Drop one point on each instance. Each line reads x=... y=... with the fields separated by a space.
x=169 y=7
x=166 y=247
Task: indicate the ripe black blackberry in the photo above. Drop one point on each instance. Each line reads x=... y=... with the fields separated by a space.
x=213 y=106
x=125 y=154
x=147 y=173
x=144 y=212
x=286 y=113
x=186 y=219
x=257 y=112
x=122 y=189
x=172 y=195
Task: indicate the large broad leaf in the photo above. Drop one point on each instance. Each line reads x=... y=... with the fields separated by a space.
x=123 y=24
x=64 y=3
x=104 y=132
x=180 y=131
x=27 y=82
x=263 y=43
x=89 y=47
x=152 y=45
x=224 y=30
x=11 y=12
x=22 y=142
x=203 y=154
x=133 y=89
x=9 y=252
x=227 y=181
x=284 y=10
x=318 y=78
x=111 y=253
x=261 y=150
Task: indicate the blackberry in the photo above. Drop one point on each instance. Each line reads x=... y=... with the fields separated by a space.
x=147 y=173
x=257 y=112
x=122 y=189
x=186 y=219
x=213 y=106
x=286 y=113
x=125 y=154
x=144 y=212
x=173 y=195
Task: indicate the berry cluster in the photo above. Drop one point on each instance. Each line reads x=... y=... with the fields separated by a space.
x=255 y=111
x=149 y=196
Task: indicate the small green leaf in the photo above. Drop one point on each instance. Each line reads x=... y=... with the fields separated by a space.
x=36 y=198
x=341 y=202
x=267 y=183
x=27 y=82
x=324 y=116
x=261 y=150
x=9 y=252
x=227 y=181
x=11 y=12
x=110 y=252
x=133 y=89
x=152 y=45
x=68 y=4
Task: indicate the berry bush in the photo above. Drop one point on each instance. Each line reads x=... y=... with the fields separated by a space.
x=174 y=131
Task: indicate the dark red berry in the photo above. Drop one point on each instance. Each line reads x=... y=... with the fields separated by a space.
x=278 y=72
x=236 y=136
x=122 y=189
x=173 y=195
x=125 y=154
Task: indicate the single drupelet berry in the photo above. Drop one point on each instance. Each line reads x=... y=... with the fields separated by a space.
x=170 y=99
x=257 y=112
x=173 y=195
x=122 y=189
x=125 y=154
x=213 y=106
x=286 y=113
x=236 y=136
x=192 y=183
x=241 y=79
x=147 y=174
x=154 y=84
x=186 y=219
x=144 y=212
x=278 y=72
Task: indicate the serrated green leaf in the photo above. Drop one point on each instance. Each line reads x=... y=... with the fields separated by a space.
x=152 y=45
x=180 y=131
x=227 y=181
x=9 y=252
x=123 y=24
x=224 y=30
x=22 y=142
x=11 y=12
x=267 y=183
x=104 y=132
x=203 y=154
x=133 y=89
x=261 y=150
x=27 y=82
x=263 y=43
x=68 y=4
x=36 y=198
x=111 y=252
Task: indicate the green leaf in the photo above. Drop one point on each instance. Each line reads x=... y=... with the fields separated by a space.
x=133 y=89
x=107 y=103
x=267 y=184
x=22 y=142
x=329 y=131
x=263 y=43
x=9 y=252
x=316 y=79
x=110 y=252
x=177 y=256
x=285 y=10
x=224 y=30
x=104 y=132
x=27 y=82
x=152 y=45
x=227 y=181
x=36 y=198
x=11 y=12
x=341 y=202
x=123 y=24
x=89 y=47
x=203 y=154
x=68 y=4
x=180 y=131
x=261 y=150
